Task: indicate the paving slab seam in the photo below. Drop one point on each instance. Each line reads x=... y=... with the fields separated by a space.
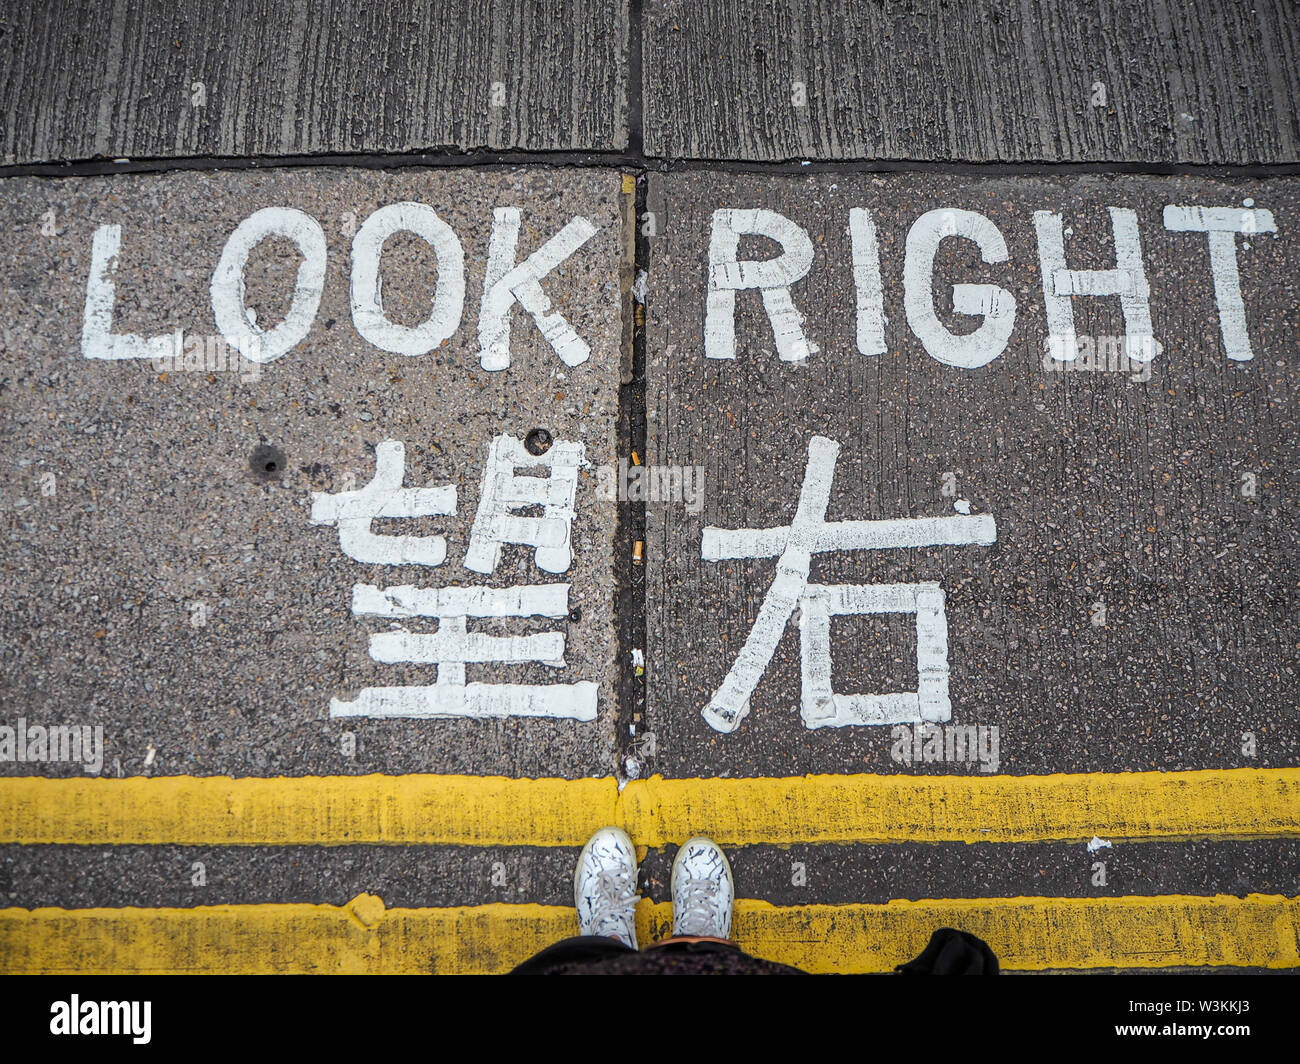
x=615 y=160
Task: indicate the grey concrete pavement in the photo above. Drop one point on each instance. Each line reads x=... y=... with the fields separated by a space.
x=1131 y=613
x=164 y=578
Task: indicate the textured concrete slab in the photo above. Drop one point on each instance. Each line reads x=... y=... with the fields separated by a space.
x=176 y=565
x=1058 y=80
x=83 y=79
x=1131 y=611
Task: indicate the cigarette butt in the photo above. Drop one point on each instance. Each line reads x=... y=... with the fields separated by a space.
x=636 y=458
x=636 y=552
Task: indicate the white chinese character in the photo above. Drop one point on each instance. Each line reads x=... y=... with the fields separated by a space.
x=794 y=545
x=502 y=493
x=452 y=646
x=353 y=511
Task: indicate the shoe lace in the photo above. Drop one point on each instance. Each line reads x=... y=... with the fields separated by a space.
x=613 y=899
x=698 y=904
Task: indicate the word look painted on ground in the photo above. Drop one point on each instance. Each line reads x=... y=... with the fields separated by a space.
x=506 y=283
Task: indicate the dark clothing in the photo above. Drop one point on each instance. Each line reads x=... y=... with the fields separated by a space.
x=952 y=952
x=586 y=955
x=949 y=953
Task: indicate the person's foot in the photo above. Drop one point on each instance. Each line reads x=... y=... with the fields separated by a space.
x=604 y=887
x=703 y=891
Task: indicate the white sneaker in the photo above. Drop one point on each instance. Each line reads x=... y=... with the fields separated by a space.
x=604 y=887
x=703 y=891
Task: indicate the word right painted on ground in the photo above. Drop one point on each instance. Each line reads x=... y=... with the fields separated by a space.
x=1219 y=226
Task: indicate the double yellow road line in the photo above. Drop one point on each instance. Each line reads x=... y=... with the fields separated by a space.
x=364 y=936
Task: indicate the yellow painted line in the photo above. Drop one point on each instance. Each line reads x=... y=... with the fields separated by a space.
x=1028 y=934
x=499 y=811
